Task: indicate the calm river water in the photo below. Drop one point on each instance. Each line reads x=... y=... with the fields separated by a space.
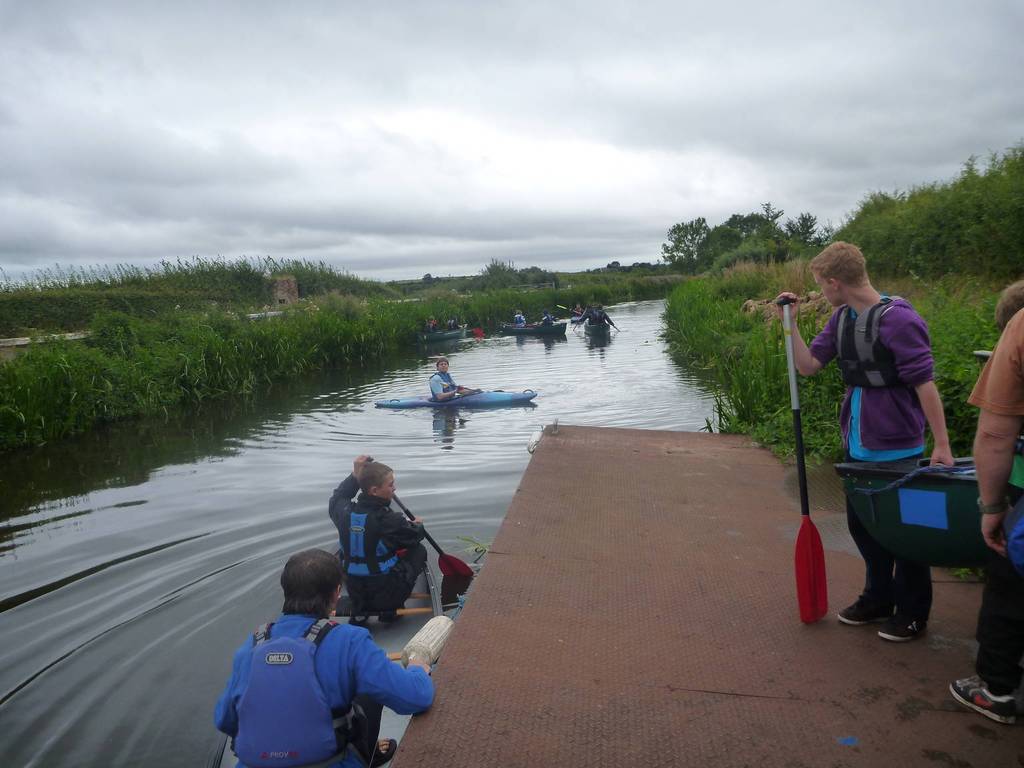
x=133 y=560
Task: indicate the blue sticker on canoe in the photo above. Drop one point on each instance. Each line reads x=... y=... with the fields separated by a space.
x=924 y=508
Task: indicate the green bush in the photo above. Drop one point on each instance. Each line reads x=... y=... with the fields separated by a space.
x=742 y=357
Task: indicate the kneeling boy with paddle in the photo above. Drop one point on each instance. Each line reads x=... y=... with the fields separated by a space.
x=378 y=578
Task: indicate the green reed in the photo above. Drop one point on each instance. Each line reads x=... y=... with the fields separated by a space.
x=742 y=359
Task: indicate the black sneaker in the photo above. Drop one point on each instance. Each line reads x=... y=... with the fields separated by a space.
x=974 y=694
x=388 y=617
x=900 y=629
x=864 y=612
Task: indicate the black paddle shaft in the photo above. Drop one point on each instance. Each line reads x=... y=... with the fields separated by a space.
x=411 y=516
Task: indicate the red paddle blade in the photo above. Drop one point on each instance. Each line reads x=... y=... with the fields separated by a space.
x=478 y=333
x=452 y=566
x=811 y=587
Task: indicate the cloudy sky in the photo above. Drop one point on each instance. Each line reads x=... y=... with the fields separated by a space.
x=398 y=138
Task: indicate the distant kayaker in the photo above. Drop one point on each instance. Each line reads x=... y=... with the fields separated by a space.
x=430 y=326
x=453 y=323
x=296 y=677
x=597 y=316
x=547 y=319
x=999 y=393
x=442 y=385
x=371 y=534
x=890 y=394
x=519 y=321
x=577 y=311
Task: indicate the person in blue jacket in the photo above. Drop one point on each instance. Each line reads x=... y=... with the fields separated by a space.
x=379 y=576
x=519 y=321
x=547 y=319
x=306 y=691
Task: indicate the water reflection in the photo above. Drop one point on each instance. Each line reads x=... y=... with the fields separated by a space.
x=549 y=342
x=446 y=421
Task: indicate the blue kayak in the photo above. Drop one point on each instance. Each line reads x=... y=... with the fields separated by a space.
x=478 y=400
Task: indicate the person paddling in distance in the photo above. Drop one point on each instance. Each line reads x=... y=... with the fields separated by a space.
x=597 y=316
x=443 y=386
x=884 y=354
x=577 y=311
x=547 y=319
x=370 y=533
x=519 y=320
x=313 y=691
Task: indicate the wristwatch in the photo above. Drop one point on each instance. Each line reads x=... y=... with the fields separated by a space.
x=993 y=509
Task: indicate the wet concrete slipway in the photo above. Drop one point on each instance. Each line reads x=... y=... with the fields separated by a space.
x=135 y=559
x=646 y=615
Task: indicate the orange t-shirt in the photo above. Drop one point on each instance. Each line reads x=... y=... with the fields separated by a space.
x=1000 y=388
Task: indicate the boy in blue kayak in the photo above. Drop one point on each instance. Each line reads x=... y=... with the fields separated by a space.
x=443 y=386
x=885 y=357
x=306 y=691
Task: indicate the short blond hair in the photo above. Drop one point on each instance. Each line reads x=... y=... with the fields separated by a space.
x=843 y=262
x=1011 y=301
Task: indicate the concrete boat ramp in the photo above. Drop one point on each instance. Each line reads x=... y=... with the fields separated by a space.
x=638 y=608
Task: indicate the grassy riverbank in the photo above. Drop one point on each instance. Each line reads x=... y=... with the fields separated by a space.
x=744 y=360
x=133 y=365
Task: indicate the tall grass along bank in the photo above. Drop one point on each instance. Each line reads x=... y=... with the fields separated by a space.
x=742 y=358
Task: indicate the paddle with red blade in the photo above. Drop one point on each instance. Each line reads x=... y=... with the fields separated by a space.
x=811 y=586
x=450 y=565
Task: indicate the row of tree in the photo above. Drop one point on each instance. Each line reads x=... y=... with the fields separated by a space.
x=973 y=224
x=695 y=247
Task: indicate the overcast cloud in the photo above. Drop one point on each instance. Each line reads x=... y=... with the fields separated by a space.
x=398 y=138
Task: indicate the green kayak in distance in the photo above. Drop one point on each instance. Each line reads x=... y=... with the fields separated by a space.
x=534 y=329
x=457 y=333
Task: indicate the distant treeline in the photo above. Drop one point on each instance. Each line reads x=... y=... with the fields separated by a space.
x=64 y=299
x=973 y=224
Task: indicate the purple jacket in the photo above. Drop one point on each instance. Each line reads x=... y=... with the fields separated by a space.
x=891 y=418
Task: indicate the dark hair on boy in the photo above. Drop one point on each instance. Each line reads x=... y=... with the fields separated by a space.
x=374 y=475
x=1011 y=301
x=309 y=580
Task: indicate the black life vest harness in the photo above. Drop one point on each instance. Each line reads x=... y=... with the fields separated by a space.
x=864 y=360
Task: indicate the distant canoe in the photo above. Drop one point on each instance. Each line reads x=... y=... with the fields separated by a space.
x=534 y=329
x=457 y=333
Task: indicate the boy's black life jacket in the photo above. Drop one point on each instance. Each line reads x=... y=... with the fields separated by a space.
x=365 y=553
x=864 y=360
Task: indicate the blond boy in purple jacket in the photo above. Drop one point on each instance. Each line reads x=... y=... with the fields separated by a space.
x=884 y=354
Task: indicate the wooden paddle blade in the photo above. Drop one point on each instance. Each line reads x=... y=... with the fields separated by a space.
x=452 y=566
x=811 y=585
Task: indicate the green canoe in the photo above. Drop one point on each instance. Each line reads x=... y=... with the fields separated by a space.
x=458 y=333
x=535 y=329
x=919 y=513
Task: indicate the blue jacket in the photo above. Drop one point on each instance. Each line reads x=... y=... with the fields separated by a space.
x=348 y=664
